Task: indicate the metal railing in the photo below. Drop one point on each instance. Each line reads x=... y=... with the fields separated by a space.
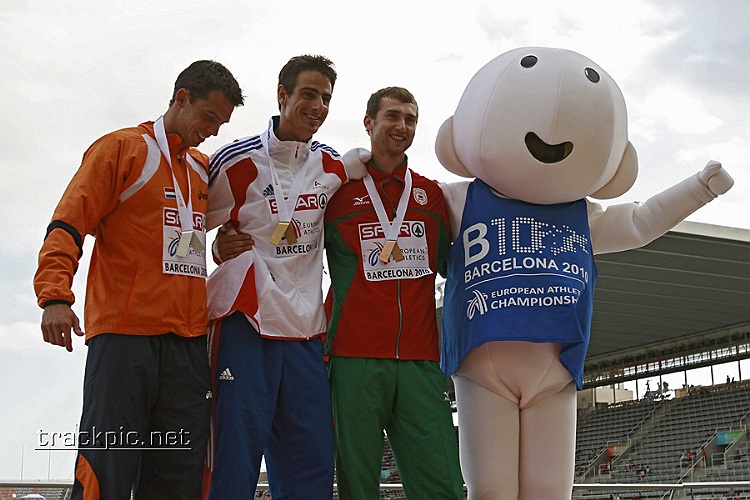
x=681 y=489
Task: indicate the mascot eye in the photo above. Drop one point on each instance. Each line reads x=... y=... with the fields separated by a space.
x=529 y=61
x=592 y=75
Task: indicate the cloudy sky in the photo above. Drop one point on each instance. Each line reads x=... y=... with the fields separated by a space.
x=74 y=70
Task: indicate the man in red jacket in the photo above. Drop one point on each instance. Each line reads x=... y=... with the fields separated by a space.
x=385 y=239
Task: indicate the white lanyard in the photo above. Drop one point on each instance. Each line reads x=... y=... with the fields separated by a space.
x=391 y=229
x=284 y=205
x=184 y=209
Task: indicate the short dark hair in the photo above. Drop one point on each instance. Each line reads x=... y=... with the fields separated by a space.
x=297 y=64
x=203 y=77
x=398 y=93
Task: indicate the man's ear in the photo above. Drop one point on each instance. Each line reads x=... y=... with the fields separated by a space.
x=623 y=179
x=182 y=97
x=281 y=95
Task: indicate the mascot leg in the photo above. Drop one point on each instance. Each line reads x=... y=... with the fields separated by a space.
x=488 y=440
x=548 y=435
x=516 y=421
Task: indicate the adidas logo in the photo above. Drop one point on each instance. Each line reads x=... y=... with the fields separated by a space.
x=268 y=192
x=226 y=375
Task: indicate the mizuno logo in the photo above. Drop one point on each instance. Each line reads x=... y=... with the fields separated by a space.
x=361 y=200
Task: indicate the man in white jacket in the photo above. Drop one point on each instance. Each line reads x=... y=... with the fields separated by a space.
x=271 y=392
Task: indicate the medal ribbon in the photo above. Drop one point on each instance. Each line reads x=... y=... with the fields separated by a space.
x=284 y=205
x=185 y=210
x=390 y=228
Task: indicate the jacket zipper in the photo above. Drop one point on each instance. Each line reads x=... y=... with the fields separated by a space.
x=400 y=319
x=398 y=282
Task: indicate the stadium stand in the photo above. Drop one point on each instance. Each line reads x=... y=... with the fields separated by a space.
x=35 y=490
x=608 y=426
x=657 y=433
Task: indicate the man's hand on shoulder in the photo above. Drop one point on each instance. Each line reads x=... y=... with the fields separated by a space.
x=355 y=163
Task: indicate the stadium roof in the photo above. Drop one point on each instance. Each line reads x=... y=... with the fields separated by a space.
x=684 y=290
x=694 y=279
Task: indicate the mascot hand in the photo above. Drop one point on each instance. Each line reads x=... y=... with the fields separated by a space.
x=354 y=162
x=715 y=178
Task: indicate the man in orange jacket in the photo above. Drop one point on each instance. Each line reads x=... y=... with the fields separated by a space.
x=142 y=192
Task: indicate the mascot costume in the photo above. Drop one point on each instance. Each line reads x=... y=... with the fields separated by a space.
x=541 y=130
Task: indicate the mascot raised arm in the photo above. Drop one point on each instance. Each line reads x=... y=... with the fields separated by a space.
x=541 y=131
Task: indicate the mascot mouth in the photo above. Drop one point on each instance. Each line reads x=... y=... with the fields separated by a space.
x=547 y=153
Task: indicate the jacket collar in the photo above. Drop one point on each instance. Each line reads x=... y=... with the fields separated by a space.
x=379 y=175
x=286 y=152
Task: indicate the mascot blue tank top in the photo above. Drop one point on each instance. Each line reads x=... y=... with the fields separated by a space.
x=519 y=271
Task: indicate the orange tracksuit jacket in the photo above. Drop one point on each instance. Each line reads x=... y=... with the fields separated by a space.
x=123 y=193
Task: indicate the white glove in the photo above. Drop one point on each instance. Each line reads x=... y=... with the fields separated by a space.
x=715 y=178
x=354 y=162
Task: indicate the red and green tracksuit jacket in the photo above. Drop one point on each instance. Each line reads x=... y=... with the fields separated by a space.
x=383 y=310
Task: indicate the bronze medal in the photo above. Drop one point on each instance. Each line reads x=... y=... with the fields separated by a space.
x=390 y=249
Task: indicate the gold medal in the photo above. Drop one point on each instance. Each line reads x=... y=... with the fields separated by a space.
x=291 y=236
x=284 y=229
x=279 y=233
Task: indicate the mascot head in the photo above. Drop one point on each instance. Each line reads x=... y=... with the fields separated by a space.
x=541 y=125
